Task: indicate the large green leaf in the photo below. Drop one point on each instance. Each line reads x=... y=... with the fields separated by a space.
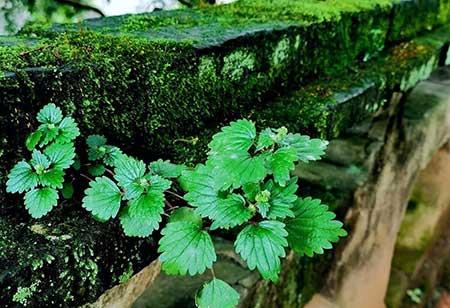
x=217 y=294
x=61 y=156
x=313 y=229
x=68 y=130
x=40 y=201
x=238 y=136
x=166 y=168
x=234 y=169
x=261 y=245
x=282 y=163
x=143 y=215
x=185 y=248
x=102 y=198
x=281 y=199
x=49 y=114
x=229 y=212
x=307 y=149
x=202 y=190
x=21 y=178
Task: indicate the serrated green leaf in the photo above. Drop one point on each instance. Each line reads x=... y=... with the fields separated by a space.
x=96 y=170
x=238 y=136
x=33 y=140
x=282 y=163
x=313 y=229
x=53 y=178
x=128 y=171
x=67 y=190
x=265 y=139
x=185 y=249
x=102 y=198
x=68 y=130
x=281 y=199
x=21 y=178
x=229 y=212
x=39 y=160
x=263 y=208
x=49 y=114
x=40 y=201
x=166 y=168
x=234 y=169
x=77 y=163
x=60 y=155
x=307 y=149
x=143 y=214
x=49 y=133
x=251 y=190
x=95 y=141
x=217 y=294
x=261 y=246
x=112 y=153
x=201 y=188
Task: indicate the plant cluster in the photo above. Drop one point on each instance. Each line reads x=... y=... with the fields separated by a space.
x=245 y=184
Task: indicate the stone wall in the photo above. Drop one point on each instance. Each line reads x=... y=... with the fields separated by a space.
x=340 y=70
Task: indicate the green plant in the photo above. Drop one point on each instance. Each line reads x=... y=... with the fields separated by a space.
x=245 y=184
x=53 y=152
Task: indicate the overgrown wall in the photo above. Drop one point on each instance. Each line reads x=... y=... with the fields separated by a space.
x=160 y=84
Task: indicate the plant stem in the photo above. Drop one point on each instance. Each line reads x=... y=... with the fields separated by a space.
x=212 y=272
x=109 y=171
x=86 y=177
x=174 y=194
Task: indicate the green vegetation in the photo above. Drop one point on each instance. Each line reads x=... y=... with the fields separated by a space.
x=245 y=184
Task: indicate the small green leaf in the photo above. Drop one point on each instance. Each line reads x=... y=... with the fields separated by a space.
x=68 y=130
x=39 y=161
x=251 y=190
x=217 y=294
x=48 y=134
x=111 y=155
x=61 y=156
x=265 y=139
x=185 y=214
x=143 y=214
x=313 y=229
x=49 y=114
x=21 y=178
x=166 y=168
x=67 y=190
x=53 y=178
x=307 y=149
x=238 y=136
x=40 y=201
x=95 y=141
x=96 y=170
x=281 y=199
x=261 y=246
x=185 y=249
x=33 y=140
x=102 y=198
x=229 y=212
x=281 y=163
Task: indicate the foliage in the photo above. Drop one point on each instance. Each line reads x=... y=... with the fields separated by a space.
x=245 y=184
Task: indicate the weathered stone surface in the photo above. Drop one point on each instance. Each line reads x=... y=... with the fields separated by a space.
x=375 y=217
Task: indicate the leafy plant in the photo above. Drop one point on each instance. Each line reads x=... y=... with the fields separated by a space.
x=52 y=147
x=245 y=184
